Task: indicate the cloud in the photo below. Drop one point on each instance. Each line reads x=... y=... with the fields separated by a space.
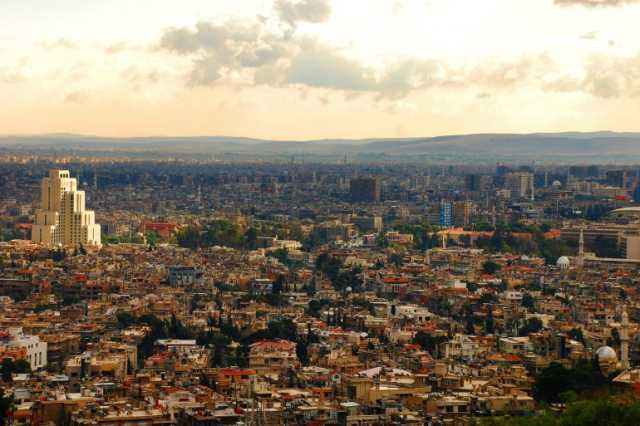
x=613 y=77
x=595 y=3
x=11 y=77
x=77 y=97
x=311 y=11
x=252 y=53
x=136 y=76
x=396 y=7
x=508 y=74
x=322 y=67
x=221 y=48
x=603 y=77
x=328 y=69
x=12 y=74
x=121 y=46
x=206 y=36
x=401 y=106
x=61 y=43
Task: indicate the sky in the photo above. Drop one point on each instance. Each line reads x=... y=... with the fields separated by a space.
x=314 y=69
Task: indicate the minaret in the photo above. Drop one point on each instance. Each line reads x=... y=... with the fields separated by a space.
x=532 y=188
x=581 y=249
x=624 y=340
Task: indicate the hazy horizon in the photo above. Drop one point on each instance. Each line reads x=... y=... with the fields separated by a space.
x=319 y=139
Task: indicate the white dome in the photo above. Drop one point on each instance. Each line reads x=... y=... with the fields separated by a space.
x=556 y=184
x=606 y=354
x=563 y=261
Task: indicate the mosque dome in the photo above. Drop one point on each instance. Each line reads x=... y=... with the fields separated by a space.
x=563 y=262
x=607 y=359
x=556 y=184
x=606 y=354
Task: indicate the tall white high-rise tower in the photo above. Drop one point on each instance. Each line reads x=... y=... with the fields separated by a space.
x=62 y=219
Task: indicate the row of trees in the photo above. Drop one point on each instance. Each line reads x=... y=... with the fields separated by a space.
x=503 y=240
x=591 y=397
x=218 y=341
x=216 y=233
x=608 y=411
x=224 y=233
x=557 y=383
x=424 y=235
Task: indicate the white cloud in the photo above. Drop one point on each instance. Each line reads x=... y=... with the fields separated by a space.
x=77 y=97
x=595 y=3
x=294 y=11
x=61 y=43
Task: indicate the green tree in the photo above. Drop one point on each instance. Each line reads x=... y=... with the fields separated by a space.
x=489 y=323
x=614 y=340
x=576 y=334
x=125 y=319
x=6 y=404
x=189 y=237
x=490 y=267
x=278 y=285
x=152 y=238
x=532 y=325
x=488 y=298
x=251 y=239
x=468 y=319
x=302 y=351
x=602 y=411
x=282 y=254
x=528 y=301
x=584 y=379
x=429 y=342
x=329 y=265
x=280 y=329
x=9 y=367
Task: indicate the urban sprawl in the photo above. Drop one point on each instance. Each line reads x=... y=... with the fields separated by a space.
x=211 y=293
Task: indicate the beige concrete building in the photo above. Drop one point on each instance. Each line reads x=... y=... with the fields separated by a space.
x=62 y=219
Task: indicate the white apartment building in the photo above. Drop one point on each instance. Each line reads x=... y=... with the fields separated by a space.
x=62 y=219
x=36 y=350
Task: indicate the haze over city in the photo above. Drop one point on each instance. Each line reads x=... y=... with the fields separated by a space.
x=318 y=69
x=319 y=212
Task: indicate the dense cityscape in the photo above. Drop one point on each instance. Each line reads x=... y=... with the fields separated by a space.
x=199 y=293
x=320 y=213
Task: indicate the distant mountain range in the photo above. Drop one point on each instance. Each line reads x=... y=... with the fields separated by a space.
x=570 y=147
